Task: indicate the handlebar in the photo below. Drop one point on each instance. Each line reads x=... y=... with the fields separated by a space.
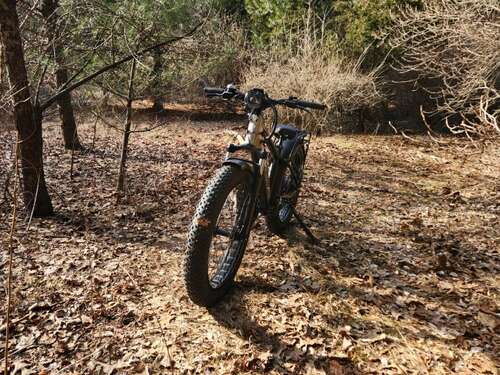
x=300 y=104
x=213 y=91
x=230 y=92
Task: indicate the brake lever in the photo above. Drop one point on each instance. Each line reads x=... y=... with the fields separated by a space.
x=230 y=92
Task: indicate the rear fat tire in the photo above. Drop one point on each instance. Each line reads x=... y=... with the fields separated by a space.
x=274 y=222
x=196 y=278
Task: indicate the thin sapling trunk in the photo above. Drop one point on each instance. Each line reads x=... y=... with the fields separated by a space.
x=126 y=132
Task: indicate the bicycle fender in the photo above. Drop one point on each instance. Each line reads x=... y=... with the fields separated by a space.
x=245 y=165
x=289 y=145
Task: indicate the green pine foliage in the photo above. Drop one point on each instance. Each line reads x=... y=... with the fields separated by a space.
x=272 y=18
x=356 y=24
x=363 y=22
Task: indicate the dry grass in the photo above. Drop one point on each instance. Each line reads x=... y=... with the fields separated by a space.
x=317 y=75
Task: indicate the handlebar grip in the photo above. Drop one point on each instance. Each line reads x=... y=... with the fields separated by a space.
x=312 y=105
x=212 y=91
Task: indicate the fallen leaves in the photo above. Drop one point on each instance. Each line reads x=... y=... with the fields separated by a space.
x=488 y=320
x=404 y=281
x=203 y=222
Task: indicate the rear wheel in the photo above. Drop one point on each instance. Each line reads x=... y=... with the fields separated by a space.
x=290 y=178
x=218 y=236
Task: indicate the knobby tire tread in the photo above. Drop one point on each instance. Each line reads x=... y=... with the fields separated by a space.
x=207 y=212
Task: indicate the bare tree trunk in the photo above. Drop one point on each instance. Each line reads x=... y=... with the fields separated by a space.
x=70 y=133
x=157 y=70
x=126 y=132
x=3 y=84
x=68 y=124
x=28 y=119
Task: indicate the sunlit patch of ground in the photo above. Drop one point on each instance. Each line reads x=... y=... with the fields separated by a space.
x=405 y=279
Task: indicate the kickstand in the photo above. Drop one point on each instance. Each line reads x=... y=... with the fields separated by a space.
x=304 y=226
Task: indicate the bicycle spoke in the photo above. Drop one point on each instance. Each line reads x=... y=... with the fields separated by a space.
x=228 y=235
x=293 y=175
x=288 y=196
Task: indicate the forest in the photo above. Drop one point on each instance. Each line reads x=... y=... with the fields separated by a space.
x=250 y=186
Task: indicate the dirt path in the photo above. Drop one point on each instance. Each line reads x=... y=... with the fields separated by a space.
x=405 y=280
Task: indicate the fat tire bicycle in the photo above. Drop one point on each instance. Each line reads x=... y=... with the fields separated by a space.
x=263 y=174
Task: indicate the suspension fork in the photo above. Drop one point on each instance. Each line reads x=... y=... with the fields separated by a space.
x=261 y=185
x=254 y=141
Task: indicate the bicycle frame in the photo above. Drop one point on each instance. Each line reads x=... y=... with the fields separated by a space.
x=259 y=145
x=264 y=175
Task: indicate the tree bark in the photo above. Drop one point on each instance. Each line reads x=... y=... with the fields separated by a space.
x=2 y=67
x=157 y=70
x=28 y=119
x=68 y=124
x=120 y=186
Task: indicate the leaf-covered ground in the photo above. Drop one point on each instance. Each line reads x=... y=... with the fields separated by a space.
x=405 y=280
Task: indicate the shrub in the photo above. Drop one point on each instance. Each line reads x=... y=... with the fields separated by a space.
x=317 y=75
x=451 y=48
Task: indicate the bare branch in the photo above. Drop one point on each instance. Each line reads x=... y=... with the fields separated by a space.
x=83 y=81
x=451 y=49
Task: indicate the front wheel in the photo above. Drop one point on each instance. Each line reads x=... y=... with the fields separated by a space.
x=218 y=235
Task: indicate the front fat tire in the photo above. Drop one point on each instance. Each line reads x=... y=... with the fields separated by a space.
x=196 y=277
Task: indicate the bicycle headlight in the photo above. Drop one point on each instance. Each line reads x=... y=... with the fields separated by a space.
x=255 y=99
